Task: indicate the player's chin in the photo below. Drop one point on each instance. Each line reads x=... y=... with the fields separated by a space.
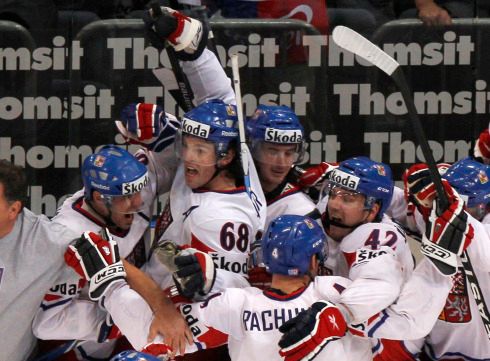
x=126 y=221
x=277 y=177
x=192 y=181
x=337 y=233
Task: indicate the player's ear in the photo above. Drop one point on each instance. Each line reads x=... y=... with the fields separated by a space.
x=227 y=159
x=314 y=264
x=96 y=196
x=14 y=209
x=373 y=212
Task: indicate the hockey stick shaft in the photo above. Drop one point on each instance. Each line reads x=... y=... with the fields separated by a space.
x=241 y=124
x=401 y=83
x=350 y=40
x=184 y=95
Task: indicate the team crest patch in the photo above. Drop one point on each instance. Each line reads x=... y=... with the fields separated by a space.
x=99 y=161
x=482 y=177
x=230 y=111
x=457 y=307
x=309 y=224
x=381 y=169
x=163 y=221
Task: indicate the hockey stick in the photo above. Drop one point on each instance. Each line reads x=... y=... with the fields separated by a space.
x=349 y=40
x=184 y=94
x=254 y=192
x=241 y=125
x=355 y=43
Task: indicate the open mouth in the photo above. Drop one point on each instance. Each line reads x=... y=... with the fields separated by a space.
x=190 y=171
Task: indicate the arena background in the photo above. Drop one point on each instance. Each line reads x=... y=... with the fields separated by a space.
x=59 y=96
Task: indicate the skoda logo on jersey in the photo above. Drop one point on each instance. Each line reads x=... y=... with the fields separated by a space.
x=283 y=136
x=194 y=128
x=344 y=179
x=135 y=186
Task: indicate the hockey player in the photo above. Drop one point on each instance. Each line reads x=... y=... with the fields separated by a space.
x=208 y=207
x=276 y=140
x=31 y=258
x=118 y=193
x=459 y=331
x=359 y=192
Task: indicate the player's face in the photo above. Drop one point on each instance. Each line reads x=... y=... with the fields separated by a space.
x=275 y=162
x=8 y=213
x=123 y=209
x=347 y=208
x=199 y=157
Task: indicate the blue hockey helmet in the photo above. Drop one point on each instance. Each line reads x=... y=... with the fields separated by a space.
x=113 y=171
x=471 y=180
x=289 y=243
x=275 y=124
x=213 y=121
x=134 y=356
x=372 y=179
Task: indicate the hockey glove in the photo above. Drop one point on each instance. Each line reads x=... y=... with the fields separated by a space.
x=147 y=125
x=419 y=187
x=96 y=258
x=186 y=35
x=482 y=147
x=447 y=235
x=315 y=175
x=194 y=271
x=310 y=331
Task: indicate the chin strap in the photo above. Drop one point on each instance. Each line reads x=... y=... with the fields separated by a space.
x=109 y=223
x=327 y=222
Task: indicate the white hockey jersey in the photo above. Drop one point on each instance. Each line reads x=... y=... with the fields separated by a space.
x=289 y=199
x=459 y=333
x=64 y=313
x=251 y=317
x=222 y=224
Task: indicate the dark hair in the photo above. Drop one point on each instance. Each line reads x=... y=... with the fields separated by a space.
x=234 y=168
x=14 y=181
